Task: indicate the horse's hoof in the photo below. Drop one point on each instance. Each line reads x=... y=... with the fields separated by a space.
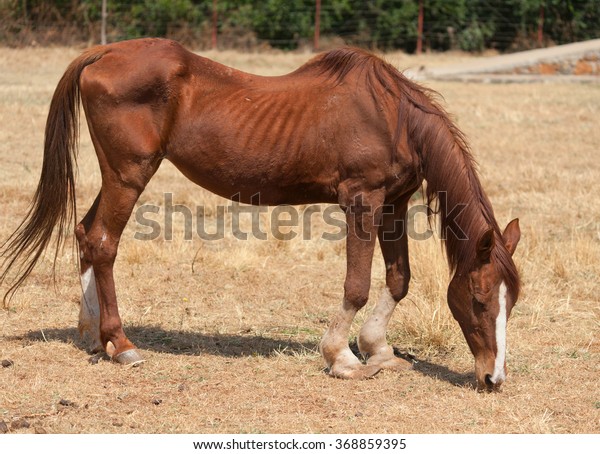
x=129 y=358
x=394 y=364
x=358 y=373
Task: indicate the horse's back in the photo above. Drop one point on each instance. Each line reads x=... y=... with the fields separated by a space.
x=293 y=138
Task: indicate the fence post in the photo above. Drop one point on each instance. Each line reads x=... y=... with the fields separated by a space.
x=420 y=29
x=103 y=27
x=214 y=25
x=317 y=25
x=540 y=34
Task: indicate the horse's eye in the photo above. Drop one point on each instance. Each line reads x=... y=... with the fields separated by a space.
x=478 y=306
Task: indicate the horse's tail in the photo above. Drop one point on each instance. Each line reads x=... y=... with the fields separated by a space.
x=53 y=205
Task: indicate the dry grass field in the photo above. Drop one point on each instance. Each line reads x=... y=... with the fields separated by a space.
x=231 y=328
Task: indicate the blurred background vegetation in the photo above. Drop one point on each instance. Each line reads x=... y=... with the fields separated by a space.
x=470 y=25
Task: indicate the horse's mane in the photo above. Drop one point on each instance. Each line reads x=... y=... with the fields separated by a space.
x=445 y=158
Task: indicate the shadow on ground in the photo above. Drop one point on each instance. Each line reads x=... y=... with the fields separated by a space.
x=440 y=372
x=159 y=340
x=156 y=339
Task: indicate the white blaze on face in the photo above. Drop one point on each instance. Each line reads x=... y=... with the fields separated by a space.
x=499 y=374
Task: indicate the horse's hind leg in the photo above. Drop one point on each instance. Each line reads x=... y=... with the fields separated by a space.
x=362 y=217
x=89 y=310
x=393 y=240
x=98 y=248
x=128 y=157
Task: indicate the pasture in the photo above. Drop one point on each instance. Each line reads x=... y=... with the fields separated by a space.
x=230 y=328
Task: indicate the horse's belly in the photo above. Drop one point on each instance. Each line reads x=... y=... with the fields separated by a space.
x=246 y=181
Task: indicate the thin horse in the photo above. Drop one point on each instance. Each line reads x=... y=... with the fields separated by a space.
x=345 y=128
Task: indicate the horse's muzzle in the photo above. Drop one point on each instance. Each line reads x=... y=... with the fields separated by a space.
x=487 y=385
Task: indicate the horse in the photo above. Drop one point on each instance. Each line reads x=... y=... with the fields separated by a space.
x=345 y=128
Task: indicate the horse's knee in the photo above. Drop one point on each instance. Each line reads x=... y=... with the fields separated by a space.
x=356 y=294
x=398 y=286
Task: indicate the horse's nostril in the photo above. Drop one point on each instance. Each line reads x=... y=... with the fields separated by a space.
x=488 y=381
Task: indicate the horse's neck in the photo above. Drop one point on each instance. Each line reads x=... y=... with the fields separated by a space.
x=452 y=179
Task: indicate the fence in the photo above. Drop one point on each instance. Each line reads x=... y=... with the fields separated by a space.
x=410 y=25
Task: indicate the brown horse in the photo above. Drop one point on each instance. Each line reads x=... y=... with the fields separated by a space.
x=345 y=128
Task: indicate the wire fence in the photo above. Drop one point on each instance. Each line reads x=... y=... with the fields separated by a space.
x=290 y=24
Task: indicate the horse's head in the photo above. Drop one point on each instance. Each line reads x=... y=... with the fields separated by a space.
x=481 y=302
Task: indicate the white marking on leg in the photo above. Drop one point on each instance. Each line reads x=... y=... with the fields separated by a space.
x=372 y=339
x=499 y=374
x=89 y=311
x=334 y=345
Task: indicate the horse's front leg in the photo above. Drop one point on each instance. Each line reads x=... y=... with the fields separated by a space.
x=362 y=216
x=393 y=239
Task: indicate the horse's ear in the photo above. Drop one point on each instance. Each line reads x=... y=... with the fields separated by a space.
x=512 y=235
x=485 y=245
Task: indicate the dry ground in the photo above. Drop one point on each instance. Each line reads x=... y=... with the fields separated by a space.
x=232 y=342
